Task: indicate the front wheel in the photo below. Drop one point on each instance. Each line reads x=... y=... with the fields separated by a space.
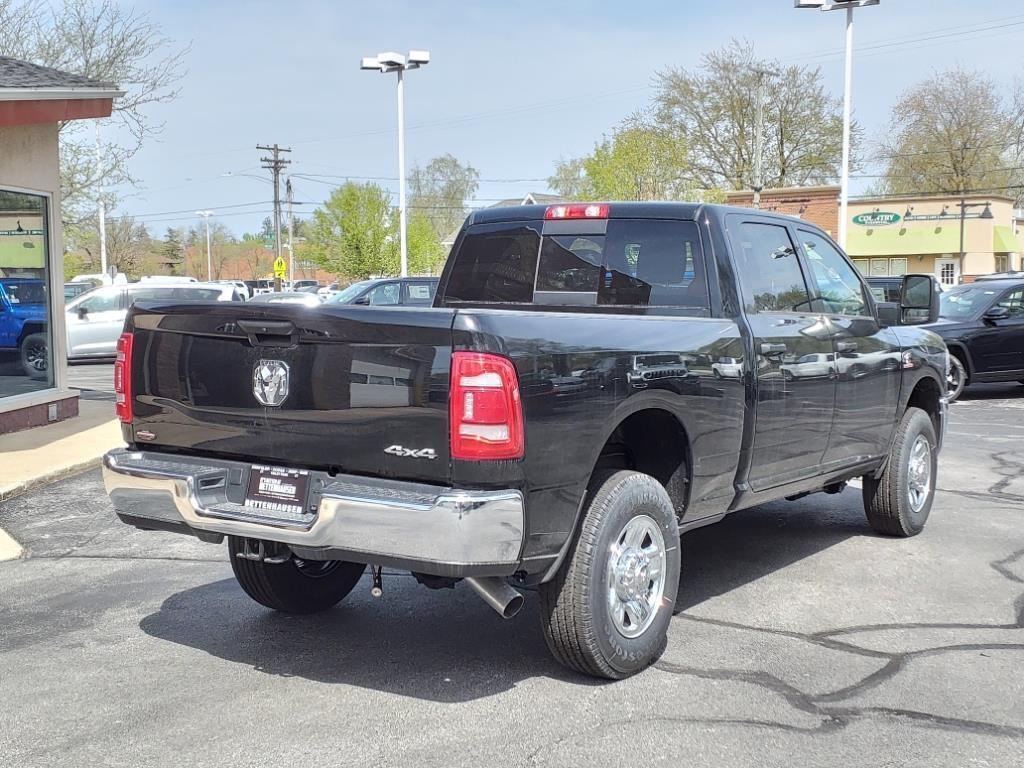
x=898 y=503
x=606 y=612
x=294 y=586
x=35 y=360
x=956 y=379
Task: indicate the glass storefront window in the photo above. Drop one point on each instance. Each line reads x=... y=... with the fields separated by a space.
x=25 y=306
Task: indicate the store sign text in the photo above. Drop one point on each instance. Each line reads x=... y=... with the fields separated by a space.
x=876 y=219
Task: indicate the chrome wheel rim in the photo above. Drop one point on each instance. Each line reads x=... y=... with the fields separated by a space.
x=919 y=473
x=636 y=576
x=35 y=356
x=315 y=569
x=954 y=380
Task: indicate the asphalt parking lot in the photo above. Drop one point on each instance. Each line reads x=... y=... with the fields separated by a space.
x=805 y=639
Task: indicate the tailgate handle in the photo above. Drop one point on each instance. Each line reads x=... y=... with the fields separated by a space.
x=270 y=333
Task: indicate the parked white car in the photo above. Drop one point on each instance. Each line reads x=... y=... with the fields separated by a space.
x=95 y=319
x=727 y=368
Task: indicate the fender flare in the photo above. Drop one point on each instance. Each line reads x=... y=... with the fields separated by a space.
x=643 y=401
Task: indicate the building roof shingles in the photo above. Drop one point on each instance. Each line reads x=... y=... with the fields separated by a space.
x=15 y=73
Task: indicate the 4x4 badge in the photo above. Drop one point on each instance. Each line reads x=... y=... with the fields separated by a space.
x=411 y=453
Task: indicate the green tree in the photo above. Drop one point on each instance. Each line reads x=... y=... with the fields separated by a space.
x=426 y=254
x=954 y=131
x=639 y=161
x=714 y=109
x=102 y=40
x=439 y=191
x=354 y=234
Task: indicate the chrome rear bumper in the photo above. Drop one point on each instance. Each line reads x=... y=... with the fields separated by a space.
x=431 y=529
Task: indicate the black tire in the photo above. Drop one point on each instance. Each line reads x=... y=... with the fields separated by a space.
x=957 y=378
x=295 y=586
x=888 y=500
x=35 y=358
x=577 y=619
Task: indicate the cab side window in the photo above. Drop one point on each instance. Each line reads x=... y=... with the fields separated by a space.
x=839 y=290
x=769 y=269
x=387 y=293
x=103 y=300
x=1014 y=301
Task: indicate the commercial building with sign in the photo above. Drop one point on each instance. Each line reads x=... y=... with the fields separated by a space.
x=896 y=235
x=34 y=101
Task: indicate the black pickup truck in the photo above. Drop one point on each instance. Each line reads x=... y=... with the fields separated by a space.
x=592 y=381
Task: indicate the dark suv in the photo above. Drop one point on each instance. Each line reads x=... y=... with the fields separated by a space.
x=389 y=292
x=983 y=325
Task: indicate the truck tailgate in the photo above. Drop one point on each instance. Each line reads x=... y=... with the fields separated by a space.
x=367 y=388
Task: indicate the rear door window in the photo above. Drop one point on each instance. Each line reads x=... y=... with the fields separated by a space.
x=769 y=269
x=420 y=292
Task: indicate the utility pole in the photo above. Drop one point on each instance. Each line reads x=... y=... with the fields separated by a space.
x=291 y=233
x=101 y=203
x=758 y=184
x=275 y=164
x=205 y=215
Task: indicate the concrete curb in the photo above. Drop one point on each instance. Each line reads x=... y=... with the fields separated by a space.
x=50 y=477
x=9 y=548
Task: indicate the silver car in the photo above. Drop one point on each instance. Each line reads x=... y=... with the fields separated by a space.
x=95 y=319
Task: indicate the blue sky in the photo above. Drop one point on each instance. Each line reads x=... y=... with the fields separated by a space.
x=511 y=88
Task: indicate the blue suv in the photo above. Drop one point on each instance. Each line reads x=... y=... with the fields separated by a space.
x=23 y=323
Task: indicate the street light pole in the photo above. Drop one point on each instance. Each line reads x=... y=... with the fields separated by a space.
x=403 y=246
x=396 y=62
x=844 y=183
x=205 y=215
x=986 y=213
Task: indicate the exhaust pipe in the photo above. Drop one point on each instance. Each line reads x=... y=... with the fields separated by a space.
x=497 y=594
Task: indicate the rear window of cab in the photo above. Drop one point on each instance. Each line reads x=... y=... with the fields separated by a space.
x=632 y=262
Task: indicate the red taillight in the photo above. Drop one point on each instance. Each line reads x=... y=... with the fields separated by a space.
x=577 y=211
x=123 y=378
x=486 y=413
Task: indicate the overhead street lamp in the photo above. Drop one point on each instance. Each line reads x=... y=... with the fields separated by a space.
x=205 y=215
x=396 y=62
x=848 y=6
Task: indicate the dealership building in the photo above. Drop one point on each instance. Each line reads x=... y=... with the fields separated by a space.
x=896 y=235
x=919 y=234
x=34 y=102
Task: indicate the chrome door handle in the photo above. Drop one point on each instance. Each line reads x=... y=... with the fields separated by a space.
x=773 y=349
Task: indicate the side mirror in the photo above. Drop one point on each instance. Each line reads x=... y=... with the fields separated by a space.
x=919 y=300
x=82 y=312
x=363 y=300
x=997 y=313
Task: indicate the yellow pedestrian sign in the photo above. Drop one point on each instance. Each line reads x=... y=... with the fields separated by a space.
x=280 y=268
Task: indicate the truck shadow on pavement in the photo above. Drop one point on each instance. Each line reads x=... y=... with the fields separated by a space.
x=446 y=645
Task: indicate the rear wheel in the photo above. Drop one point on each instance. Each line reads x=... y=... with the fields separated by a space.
x=956 y=379
x=606 y=612
x=898 y=502
x=294 y=586
x=35 y=360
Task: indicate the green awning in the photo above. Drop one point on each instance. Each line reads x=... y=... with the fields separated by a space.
x=14 y=253
x=1005 y=241
x=903 y=241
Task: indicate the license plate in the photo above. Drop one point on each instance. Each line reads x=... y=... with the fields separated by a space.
x=277 y=489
